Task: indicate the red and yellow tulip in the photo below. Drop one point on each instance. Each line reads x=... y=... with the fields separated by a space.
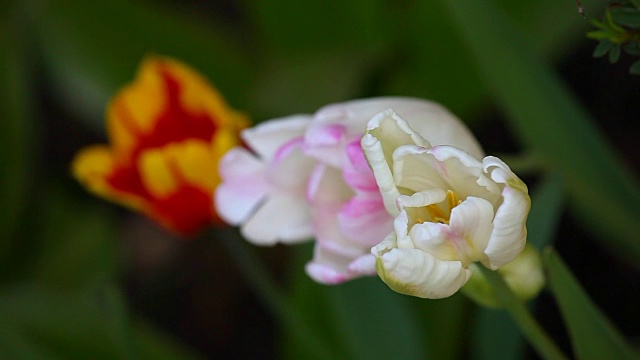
x=168 y=130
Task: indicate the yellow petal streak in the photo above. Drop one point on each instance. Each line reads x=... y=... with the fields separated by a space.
x=191 y=162
x=158 y=172
x=134 y=110
x=196 y=163
x=440 y=214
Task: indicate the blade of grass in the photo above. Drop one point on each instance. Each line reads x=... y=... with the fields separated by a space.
x=591 y=333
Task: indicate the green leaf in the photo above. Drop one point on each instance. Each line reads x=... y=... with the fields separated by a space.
x=446 y=325
x=591 y=333
x=16 y=128
x=614 y=54
x=64 y=324
x=547 y=203
x=496 y=336
x=74 y=243
x=312 y=302
x=355 y=318
x=549 y=121
x=366 y=311
x=626 y=16
x=632 y=48
x=603 y=48
x=635 y=68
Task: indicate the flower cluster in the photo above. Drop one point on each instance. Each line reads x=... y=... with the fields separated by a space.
x=306 y=176
x=412 y=200
x=168 y=130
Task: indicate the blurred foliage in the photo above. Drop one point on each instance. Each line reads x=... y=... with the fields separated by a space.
x=61 y=259
x=618 y=32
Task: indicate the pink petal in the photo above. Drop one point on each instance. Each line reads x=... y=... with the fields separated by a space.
x=243 y=186
x=365 y=221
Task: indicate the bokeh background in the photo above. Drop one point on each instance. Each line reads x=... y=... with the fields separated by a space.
x=83 y=278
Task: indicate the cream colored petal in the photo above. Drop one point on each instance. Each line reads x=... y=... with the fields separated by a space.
x=464 y=174
x=471 y=221
x=502 y=174
x=422 y=198
x=418 y=273
x=382 y=172
x=510 y=232
x=401 y=227
x=393 y=131
x=509 y=228
x=414 y=169
x=432 y=238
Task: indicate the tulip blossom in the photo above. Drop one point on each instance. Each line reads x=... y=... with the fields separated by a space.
x=450 y=209
x=167 y=130
x=306 y=176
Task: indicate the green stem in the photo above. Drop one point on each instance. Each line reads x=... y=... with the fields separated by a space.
x=530 y=328
x=257 y=275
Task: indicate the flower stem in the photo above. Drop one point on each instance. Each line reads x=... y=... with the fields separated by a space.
x=530 y=328
x=257 y=276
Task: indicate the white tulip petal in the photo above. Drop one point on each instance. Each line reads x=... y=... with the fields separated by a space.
x=414 y=169
x=464 y=173
x=267 y=137
x=472 y=221
x=332 y=268
x=364 y=221
x=323 y=141
x=418 y=273
x=363 y=265
x=355 y=115
x=393 y=131
x=401 y=227
x=434 y=239
x=291 y=169
x=509 y=234
x=282 y=218
x=502 y=174
x=385 y=245
x=328 y=231
x=325 y=185
x=244 y=186
x=422 y=198
x=325 y=273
